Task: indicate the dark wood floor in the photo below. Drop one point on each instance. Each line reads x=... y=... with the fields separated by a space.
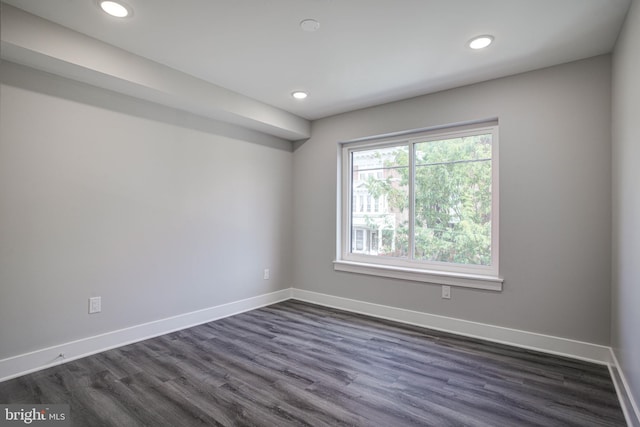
x=294 y=363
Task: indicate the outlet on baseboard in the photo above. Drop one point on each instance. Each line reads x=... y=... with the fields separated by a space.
x=95 y=305
x=446 y=292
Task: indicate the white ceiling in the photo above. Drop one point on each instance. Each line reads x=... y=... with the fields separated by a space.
x=366 y=52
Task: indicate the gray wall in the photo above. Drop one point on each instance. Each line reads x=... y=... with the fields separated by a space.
x=625 y=317
x=555 y=183
x=159 y=212
x=163 y=213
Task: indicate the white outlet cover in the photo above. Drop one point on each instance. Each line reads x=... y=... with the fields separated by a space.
x=446 y=292
x=95 y=305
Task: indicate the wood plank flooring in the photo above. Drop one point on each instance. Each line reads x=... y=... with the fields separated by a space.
x=298 y=364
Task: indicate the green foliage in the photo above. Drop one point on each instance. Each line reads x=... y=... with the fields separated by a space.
x=452 y=200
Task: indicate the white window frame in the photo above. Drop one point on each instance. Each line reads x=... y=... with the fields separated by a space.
x=472 y=276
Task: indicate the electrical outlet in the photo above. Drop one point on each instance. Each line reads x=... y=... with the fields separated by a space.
x=266 y=274
x=446 y=292
x=95 y=305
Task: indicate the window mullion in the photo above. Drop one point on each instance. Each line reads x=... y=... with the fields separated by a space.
x=412 y=200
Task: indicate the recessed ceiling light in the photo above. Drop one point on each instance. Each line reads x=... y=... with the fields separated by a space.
x=299 y=94
x=310 y=25
x=117 y=9
x=480 y=42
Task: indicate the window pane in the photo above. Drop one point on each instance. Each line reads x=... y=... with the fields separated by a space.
x=381 y=179
x=453 y=200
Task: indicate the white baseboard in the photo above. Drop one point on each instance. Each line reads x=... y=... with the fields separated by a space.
x=529 y=340
x=44 y=358
x=627 y=402
x=40 y=359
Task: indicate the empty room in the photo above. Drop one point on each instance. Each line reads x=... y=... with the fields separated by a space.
x=320 y=212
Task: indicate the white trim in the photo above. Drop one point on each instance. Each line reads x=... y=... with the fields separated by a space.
x=459 y=126
x=631 y=415
x=495 y=200
x=475 y=281
x=530 y=340
x=44 y=358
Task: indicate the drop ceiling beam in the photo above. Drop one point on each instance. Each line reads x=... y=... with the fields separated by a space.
x=38 y=43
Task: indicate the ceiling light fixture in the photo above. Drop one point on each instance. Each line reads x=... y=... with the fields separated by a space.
x=117 y=9
x=310 y=25
x=299 y=94
x=480 y=42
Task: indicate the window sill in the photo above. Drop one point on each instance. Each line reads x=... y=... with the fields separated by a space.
x=492 y=283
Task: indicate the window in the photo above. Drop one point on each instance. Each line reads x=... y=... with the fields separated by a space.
x=435 y=198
